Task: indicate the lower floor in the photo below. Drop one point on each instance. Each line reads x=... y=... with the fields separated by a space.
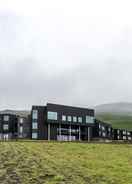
x=62 y=132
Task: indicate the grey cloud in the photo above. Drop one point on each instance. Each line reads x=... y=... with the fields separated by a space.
x=62 y=59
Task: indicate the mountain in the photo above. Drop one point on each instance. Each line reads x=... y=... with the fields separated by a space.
x=121 y=108
x=118 y=114
x=17 y=112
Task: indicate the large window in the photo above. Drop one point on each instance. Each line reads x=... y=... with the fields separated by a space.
x=52 y=115
x=6 y=118
x=34 y=135
x=63 y=118
x=74 y=119
x=89 y=119
x=79 y=119
x=69 y=118
x=34 y=114
x=5 y=127
x=34 y=125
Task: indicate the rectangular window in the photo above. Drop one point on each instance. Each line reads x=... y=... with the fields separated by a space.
x=34 y=135
x=128 y=133
x=6 y=118
x=21 y=120
x=103 y=128
x=5 y=127
x=21 y=129
x=79 y=119
x=34 y=125
x=69 y=118
x=52 y=115
x=89 y=119
x=34 y=114
x=74 y=119
x=63 y=118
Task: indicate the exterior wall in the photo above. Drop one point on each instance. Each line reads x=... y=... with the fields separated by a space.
x=42 y=129
x=102 y=130
x=24 y=127
x=56 y=129
x=8 y=125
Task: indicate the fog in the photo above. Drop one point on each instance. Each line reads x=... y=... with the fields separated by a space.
x=74 y=52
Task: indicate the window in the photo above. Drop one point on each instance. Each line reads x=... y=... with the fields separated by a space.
x=89 y=119
x=103 y=134
x=124 y=137
x=80 y=119
x=74 y=119
x=52 y=115
x=124 y=132
x=34 y=114
x=69 y=118
x=21 y=120
x=21 y=129
x=128 y=133
x=34 y=125
x=6 y=118
x=63 y=118
x=34 y=135
x=5 y=127
x=103 y=128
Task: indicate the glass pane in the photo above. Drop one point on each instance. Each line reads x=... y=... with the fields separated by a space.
x=52 y=115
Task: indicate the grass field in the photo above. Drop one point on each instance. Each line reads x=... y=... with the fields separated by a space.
x=117 y=121
x=65 y=163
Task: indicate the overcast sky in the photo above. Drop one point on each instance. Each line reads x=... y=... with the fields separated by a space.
x=75 y=52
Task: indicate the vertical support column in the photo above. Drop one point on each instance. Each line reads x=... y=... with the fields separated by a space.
x=48 y=131
x=88 y=134
x=79 y=133
x=60 y=132
x=70 y=133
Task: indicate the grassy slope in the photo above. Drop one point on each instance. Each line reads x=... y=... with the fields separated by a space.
x=117 y=121
x=65 y=163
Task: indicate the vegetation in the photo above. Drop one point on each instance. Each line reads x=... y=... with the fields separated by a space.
x=65 y=163
x=117 y=121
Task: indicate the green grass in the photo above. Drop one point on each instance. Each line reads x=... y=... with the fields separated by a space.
x=65 y=163
x=117 y=121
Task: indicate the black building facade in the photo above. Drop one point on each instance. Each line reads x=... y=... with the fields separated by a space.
x=59 y=122
x=8 y=126
x=102 y=130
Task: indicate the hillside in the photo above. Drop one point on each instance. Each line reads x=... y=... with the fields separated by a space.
x=118 y=114
x=65 y=163
x=19 y=113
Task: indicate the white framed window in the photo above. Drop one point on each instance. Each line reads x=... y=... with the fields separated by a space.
x=5 y=127
x=69 y=118
x=74 y=119
x=128 y=133
x=52 y=115
x=80 y=119
x=35 y=114
x=89 y=119
x=34 y=125
x=6 y=118
x=63 y=118
x=34 y=135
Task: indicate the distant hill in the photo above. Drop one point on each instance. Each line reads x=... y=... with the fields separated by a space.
x=118 y=114
x=122 y=108
x=17 y=112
